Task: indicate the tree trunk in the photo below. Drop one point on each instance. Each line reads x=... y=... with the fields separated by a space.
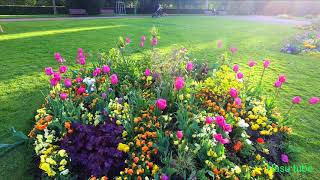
x=54 y=7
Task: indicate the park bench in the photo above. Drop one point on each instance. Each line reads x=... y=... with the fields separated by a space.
x=77 y=12
x=208 y=12
x=107 y=11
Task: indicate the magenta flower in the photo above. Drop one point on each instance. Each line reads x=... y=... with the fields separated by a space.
x=58 y=57
x=236 y=68
x=282 y=78
x=143 y=38
x=227 y=128
x=278 y=84
x=104 y=95
x=314 y=100
x=81 y=90
x=239 y=75
x=318 y=36
x=233 y=50
x=106 y=69
x=266 y=63
x=219 y=138
x=220 y=121
x=54 y=81
x=82 y=60
x=154 y=41
x=219 y=44
x=57 y=76
x=114 y=79
x=128 y=40
x=164 y=177
x=161 y=104
x=179 y=135
x=251 y=63
x=67 y=82
x=179 y=84
x=141 y=44
x=209 y=120
x=147 y=72
x=189 y=66
x=48 y=71
x=63 y=96
x=233 y=92
x=63 y=69
x=238 y=101
x=296 y=100
x=79 y=80
x=284 y=158
x=96 y=72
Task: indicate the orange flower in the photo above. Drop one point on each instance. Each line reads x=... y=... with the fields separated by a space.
x=93 y=178
x=136 y=159
x=157 y=124
x=216 y=171
x=237 y=146
x=141 y=129
x=130 y=171
x=67 y=125
x=104 y=178
x=139 y=178
x=145 y=148
x=138 y=143
x=150 y=164
x=150 y=144
x=155 y=151
x=151 y=107
x=48 y=118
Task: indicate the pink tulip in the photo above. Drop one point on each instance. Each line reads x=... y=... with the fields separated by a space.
x=48 y=71
x=67 y=82
x=296 y=100
x=233 y=92
x=161 y=104
x=314 y=100
x=154 y=41
x=81 y=90
x=236 y=68
x=63 y=69
x=96 y=72
x=59 y=58
x=79 y=80
x=219 y=138
x=233 y=50
x=227 y=128
x=82 y=61
x=114 y=79
x=128 y=40
x=189 y=66
x=179 y=84
x=238 y=101
x=63 y=96
x=209 y=120
x=179 y=135
x=54 y=81
x=147 y=72
x=141 y=44
x=143 y=38
x=282 y=78
x=57 y=76
x=239 y=75
x=266 y=63
x=251 y=63
x=220 y=121
x=278 y=84
x=219 y=44
x=106 y=69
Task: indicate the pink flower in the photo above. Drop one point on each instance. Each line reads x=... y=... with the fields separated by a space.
x=219 y=44
x=63 y=69
x=318 y=36
x=82 y=60
x=314 y=100
x=284 y=158
x=266 y=63
x=251 y=63
x=143 y=38
x=209 y=120
x=141 y=44
x=189 y=66
x=179 y=135
x=58 y=57
x=233 y=92
x=48 y=71
x=96 y=72
x=147 y=72
x=277 y=84
x=227 y=128
x=239 y=75
x=282 y=78
x=219 y=138
x=236 y=68
x=106 y=69
x=54 y=81
x=57 y=76
x=179 y=84
x=161 y=104
x=164 y=177
x=63 y=96
x=220 y=121
x=81 y=90
x=68 y=82
x=128 y=40
x=79 y=80
x=114 y=79
x=233 y=50
x=296 y=100
x=154 y=41
x=238 y=101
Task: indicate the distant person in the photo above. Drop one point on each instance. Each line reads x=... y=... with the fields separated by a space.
x=158 y=11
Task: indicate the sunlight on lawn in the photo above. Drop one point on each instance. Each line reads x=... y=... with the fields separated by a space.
x=52 y=32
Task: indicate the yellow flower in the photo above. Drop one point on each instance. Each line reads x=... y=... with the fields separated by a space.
x=181 y=97
x=255 y=127
x=118 y=178
x=237 y=169
x=266 y=151
x=123 y=147
x=62 y=153
x=188 y=96
x=118 y=122
x=269 y=172
x=124 y=134
x=259 y=121
x=46 y=168
x=63 y=162
x=155 y=169
x=258 y=157
x=61 y=168
x=51 y=161
x=256 y=171
x=211 y=153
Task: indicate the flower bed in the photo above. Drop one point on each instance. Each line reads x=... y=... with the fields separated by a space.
x=153 y=116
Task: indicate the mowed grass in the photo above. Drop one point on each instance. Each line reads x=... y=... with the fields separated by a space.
x=27 y=47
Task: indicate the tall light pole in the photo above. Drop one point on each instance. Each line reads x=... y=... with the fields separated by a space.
x=54 y=7
x=207 y=4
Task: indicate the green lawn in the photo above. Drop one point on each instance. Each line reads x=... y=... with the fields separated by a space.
x=27 y=47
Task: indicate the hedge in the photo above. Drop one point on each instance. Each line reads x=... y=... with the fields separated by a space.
x=30 y=10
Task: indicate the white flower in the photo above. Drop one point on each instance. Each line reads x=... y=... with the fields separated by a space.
x=248 y=141
x=243 y=124
x=65 y=172
x=89 y=81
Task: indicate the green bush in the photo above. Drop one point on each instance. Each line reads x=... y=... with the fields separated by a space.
x=92 y=6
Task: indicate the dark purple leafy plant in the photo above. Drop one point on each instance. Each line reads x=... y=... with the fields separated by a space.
x=93 y=149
